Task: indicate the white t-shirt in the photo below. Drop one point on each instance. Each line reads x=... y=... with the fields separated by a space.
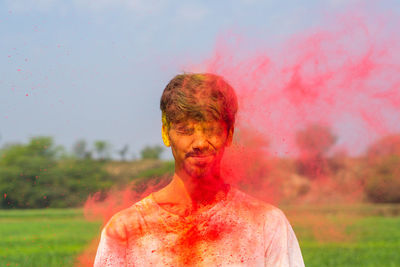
x=237 y=231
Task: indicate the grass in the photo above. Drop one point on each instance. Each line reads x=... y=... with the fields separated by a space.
x=364 y=235
x=348 y=235
x=43 y=237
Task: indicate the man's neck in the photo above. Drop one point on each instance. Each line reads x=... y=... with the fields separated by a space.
x=184 y=196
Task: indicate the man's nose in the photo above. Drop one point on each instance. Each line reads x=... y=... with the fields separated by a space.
x=200 y=141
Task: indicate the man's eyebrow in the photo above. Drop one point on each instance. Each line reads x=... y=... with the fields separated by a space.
x=180 y=125
x=184 y=127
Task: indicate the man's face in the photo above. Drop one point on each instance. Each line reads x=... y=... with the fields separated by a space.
x=198 y=146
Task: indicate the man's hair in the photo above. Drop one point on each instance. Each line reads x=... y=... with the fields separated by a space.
x=198 y=96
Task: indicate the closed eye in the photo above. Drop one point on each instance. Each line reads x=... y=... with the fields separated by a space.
x=185 y=130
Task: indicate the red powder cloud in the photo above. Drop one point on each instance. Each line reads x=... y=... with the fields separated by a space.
x=342 y=77
x=347 y=72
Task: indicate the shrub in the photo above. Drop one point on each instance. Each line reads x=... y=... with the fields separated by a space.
x=151 y=152
x=382 y=183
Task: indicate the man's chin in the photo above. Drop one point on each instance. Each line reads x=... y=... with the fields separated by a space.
x=199 y=172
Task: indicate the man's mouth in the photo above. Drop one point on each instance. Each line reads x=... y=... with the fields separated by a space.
x=202 y=156
x=201 y=159
x=197 y=155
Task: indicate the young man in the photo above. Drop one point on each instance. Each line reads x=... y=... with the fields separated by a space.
x=198 y=219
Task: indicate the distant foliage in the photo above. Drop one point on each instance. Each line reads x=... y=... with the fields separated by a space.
x=39 y=175
x=80 y=150
x=382 y=184
x=315 y=139
x=164 y=168
x=314 y=142
x=123 y=151
x=151 y=152
x=389 y=145
x=155 y=177
x=383 y=180
x=102 y=149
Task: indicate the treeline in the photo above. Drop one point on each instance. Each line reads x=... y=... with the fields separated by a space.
x=103 y=150
x=40 y=174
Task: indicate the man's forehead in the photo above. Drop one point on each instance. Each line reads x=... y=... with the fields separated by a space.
x=199 y=123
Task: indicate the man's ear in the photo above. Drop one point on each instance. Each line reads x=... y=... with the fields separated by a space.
x=229 y=137
x=164 y=131
x=164 y=135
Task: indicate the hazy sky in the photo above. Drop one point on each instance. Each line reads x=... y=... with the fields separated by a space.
x=95 y=69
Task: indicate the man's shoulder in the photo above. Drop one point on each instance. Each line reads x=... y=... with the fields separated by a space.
x=128 y=222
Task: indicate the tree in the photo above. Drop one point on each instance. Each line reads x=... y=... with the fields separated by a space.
x=80 y=150
x=388 y=145
x=122 y=152
x=151 y=152
x=102 y=149
x=315 y=139
x=314 y=142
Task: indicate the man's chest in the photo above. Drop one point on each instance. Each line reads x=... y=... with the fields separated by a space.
x=208 y=243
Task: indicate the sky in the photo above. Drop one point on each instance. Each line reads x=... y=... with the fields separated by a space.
x=95 y=70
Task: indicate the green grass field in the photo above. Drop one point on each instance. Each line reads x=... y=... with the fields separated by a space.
x=367 y=235
x=376 y=243
x=363 y=235
x=51 y=237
